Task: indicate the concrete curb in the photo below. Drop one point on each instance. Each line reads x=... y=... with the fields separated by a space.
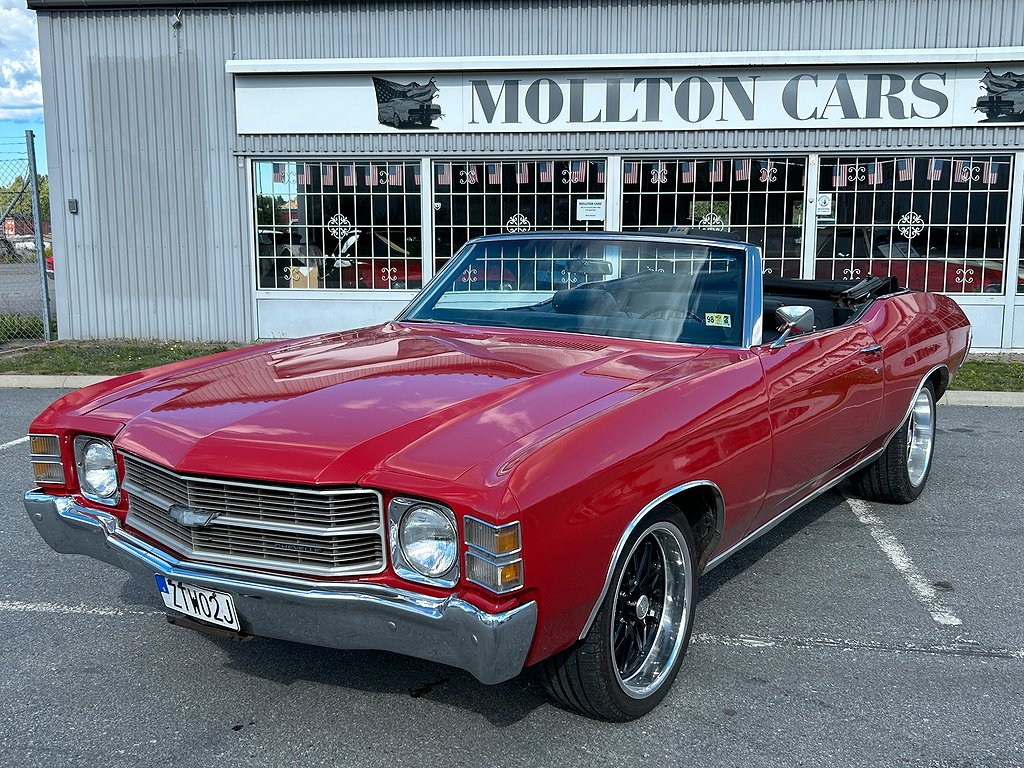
x=25 y=381
x=20 y=381
x=996 y=399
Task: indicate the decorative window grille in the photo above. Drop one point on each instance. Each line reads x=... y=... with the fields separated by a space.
x=758 y=199
x=485 y=197
x=342 y=224
x=936 y=222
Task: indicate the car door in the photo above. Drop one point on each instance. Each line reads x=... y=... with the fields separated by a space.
x=824 y=399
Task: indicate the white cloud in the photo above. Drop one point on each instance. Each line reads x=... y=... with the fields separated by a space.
x=21 y=96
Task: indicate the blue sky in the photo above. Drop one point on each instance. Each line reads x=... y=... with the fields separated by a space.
x=21 y=98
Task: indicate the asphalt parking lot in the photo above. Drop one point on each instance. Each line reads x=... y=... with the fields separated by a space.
x=19 y=290
x=851 y=635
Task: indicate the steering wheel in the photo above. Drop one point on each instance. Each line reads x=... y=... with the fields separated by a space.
x=668 y=312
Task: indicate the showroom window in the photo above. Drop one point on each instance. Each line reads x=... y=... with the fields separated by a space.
x=758 y=199
x=480 y=197
x=936 y=223
x=338 y=225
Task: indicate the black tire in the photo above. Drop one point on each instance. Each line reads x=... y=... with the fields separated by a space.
x=586 y=677
x=895 y=478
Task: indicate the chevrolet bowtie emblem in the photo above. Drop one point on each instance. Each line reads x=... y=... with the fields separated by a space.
x=191 y=517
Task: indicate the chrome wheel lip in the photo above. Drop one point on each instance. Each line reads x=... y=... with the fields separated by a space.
x=668 y=639
x=920 y=437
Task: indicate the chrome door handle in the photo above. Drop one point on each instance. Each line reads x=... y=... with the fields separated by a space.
x=874 y=349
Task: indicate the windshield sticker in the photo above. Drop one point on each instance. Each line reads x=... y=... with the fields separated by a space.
x=718 y=319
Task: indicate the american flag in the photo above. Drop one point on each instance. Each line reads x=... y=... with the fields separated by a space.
x=716 y=171
x=472 y=175
x=578 y=170
x=522 y=173
x=494 y=173
x=905 y=169
x=961 y=171
x=630 y=173
x=840 y=176
x=370 y=175
x=741 y=169
x=327 y=175
x=443 y=172
x=348 y=176
x=302 y=174
x=599 y=172
x=990 y=173
x=396 y=175
x=279 y=170
x=935 y=169
x=416 y=175
x=544 y=172
x=874 y=174
x=687 y=171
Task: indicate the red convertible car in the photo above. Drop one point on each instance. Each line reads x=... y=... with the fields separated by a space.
x=505 y=476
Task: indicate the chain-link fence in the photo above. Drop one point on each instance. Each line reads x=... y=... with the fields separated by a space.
x=26 y=258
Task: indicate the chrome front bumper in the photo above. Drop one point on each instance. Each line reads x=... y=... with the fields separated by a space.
x=354 y=615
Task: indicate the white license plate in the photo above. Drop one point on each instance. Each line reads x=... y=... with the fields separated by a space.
x=198 y=602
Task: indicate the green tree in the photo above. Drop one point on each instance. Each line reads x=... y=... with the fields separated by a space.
x=24 y=204
x=270 y=210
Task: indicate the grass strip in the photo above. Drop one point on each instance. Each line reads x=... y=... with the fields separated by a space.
x=102 y=358
x=990 y=376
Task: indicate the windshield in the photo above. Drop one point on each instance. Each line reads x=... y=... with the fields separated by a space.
x=660 y=290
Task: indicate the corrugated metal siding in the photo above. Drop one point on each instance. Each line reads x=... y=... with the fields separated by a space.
x=501 y=27
x=140 y=128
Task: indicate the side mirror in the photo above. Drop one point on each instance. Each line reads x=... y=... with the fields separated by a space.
x=794 y=319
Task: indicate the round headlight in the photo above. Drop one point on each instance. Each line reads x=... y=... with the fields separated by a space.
x=428 y=540
x=99 y=470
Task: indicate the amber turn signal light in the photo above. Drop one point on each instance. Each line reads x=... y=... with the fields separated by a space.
x=44 y=445
x=497 y=540
x=497 y=577
x=46 y=466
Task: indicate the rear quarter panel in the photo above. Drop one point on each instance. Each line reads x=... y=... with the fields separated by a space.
x=919 y=332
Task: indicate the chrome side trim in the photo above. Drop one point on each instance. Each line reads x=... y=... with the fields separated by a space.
x=717 y=559
x=621 y=545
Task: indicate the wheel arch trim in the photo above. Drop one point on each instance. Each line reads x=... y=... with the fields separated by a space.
x=620 y=546
x=913 y=399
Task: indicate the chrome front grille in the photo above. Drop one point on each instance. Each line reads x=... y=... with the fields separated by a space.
x=329 y=532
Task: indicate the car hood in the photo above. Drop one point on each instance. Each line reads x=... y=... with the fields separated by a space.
x=427 y=400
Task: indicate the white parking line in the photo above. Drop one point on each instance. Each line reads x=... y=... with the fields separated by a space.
x=16 y=606
x=901 y=561
x=958 y=648
x=755 y=642
x=12 y=443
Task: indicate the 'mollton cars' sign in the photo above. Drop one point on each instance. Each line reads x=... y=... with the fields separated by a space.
x=725 y=98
